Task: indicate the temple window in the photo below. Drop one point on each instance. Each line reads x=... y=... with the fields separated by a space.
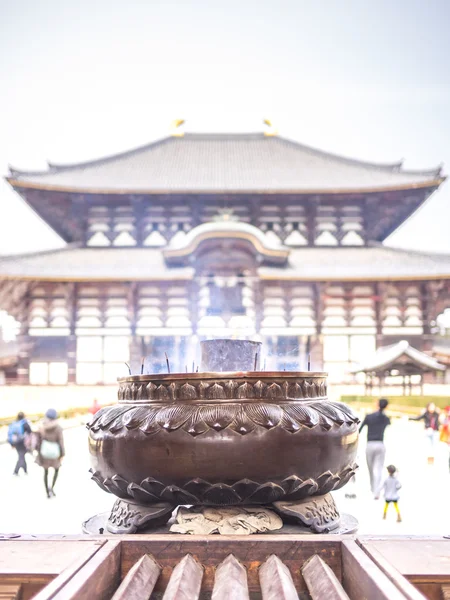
x=48 y=373
x=101 y=359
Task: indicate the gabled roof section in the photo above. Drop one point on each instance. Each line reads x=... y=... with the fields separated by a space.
x=75 y=263
x=231 y=163
x=268 y=251
x=400 y=354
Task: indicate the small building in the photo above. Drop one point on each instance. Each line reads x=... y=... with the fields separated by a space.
x=208 y=235
x=398 y=362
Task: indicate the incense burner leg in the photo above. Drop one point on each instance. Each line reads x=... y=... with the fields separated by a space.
x=319 y=513
x=127 y=517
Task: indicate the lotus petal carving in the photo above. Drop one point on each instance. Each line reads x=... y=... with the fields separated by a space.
x=198 y=491
x=241 y=417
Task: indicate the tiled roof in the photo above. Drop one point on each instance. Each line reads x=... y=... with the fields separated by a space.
x=225 y=163
x=304 y=264
x=361 y=263
x=388 y=356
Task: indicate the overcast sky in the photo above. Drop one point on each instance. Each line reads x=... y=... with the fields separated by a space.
x=84 y=79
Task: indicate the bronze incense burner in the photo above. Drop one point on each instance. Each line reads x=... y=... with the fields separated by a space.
x=223 y=438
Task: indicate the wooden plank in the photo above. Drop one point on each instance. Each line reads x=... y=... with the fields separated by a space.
x=407 y=588
x=321 y=581
x=418 y=560
x=252 y=552
x=97 y=579
x=276 y=580
x=43 y=558
x=185 y=582
x=363 y=579
x=140 y=580
x=230 y=582
x=58 y=582
x=10 y=592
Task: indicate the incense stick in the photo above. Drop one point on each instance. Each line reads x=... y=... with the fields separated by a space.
x=129 y=368
x=256 y=361
x=167 y=362
x=309 y=362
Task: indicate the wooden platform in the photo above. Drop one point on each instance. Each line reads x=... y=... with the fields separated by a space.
x=275 y=567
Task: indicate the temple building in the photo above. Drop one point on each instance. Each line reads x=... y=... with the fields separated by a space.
x=211 y=235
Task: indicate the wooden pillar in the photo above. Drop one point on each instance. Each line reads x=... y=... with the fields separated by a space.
x=71 y=293
x=137 y=347
x=23 y=364
x=24 y=341
x=316 y=347
x=311 y=213
x=258 y=295
x=138 y=219
x=379 y=299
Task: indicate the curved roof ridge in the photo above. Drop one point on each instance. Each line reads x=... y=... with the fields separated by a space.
x=35 y=254
x=396 y=166
x=411 y=251
x=55 y=167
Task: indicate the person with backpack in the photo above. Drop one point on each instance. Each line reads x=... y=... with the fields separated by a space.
x=18 y=431
x=50 y=448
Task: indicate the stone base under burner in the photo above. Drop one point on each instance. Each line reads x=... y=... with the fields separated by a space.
x=317 y=514
x=127 y=517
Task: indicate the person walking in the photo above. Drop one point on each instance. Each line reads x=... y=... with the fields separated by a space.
x=17 y=437
x=431 y=420
x=391 y=486
x=50 y=448
x=376 y=424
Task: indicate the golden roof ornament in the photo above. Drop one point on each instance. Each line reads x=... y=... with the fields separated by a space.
x=175 y=128
x=270 y=131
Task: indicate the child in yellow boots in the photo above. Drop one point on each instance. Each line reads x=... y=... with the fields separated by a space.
x=391 y=486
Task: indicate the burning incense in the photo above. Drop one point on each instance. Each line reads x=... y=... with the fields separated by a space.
x=167 y=362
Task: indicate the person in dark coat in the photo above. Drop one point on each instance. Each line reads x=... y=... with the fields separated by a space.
x=376 y=423
x=17 y=434
x=50 y=448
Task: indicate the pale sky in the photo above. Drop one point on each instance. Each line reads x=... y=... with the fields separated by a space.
x=80 y=80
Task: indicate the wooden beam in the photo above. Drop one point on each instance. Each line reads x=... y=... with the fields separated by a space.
x=230 y=582
x=276 y=581
x=140 y=580
x=185 y=581
x=321 y=581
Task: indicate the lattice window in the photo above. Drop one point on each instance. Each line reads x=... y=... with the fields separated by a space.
x=402 y=311
x=339 y=225
x=111 y=226
x=302 y=310
x=49 y=312
x=274 y=309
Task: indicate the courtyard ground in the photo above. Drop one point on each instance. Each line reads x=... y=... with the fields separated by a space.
x=424 y=497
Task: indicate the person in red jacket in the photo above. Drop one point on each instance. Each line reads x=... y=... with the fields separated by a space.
x=95 y=407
